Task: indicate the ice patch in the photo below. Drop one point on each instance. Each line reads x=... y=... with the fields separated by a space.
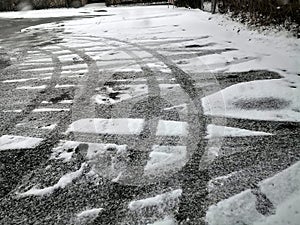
x=18 y=142
x=107 y=126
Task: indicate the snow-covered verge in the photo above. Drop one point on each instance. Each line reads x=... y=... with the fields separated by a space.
x=247 y=50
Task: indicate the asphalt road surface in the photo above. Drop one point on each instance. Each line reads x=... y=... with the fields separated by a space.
x=114 y=145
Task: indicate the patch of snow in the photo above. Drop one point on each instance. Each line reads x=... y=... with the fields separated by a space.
x=155 y=201
x=66 y=102
x=286 y=213
x=76 y=66
x=166 y=221
x=41 y=60
x=283 y=185
x=19 y=80
x=90 y=212
x=239 y=209
x=123 y=92
x=14 y=110
x=74 y=71
x=223 y=131
x=49 y=127
x=165 y=159
x=18 y=142
x=65 y=180
x=50 y=110
x=107 y=126
x=172 y=128
x=31 y=87
x=279 y=102
x=38 y=69
x=65 y=85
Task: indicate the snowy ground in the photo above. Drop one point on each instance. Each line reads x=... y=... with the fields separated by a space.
x=114 y=105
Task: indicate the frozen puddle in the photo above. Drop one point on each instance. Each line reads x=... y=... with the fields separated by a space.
x=18 y=142
x=62 y=183
x=223 y=131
